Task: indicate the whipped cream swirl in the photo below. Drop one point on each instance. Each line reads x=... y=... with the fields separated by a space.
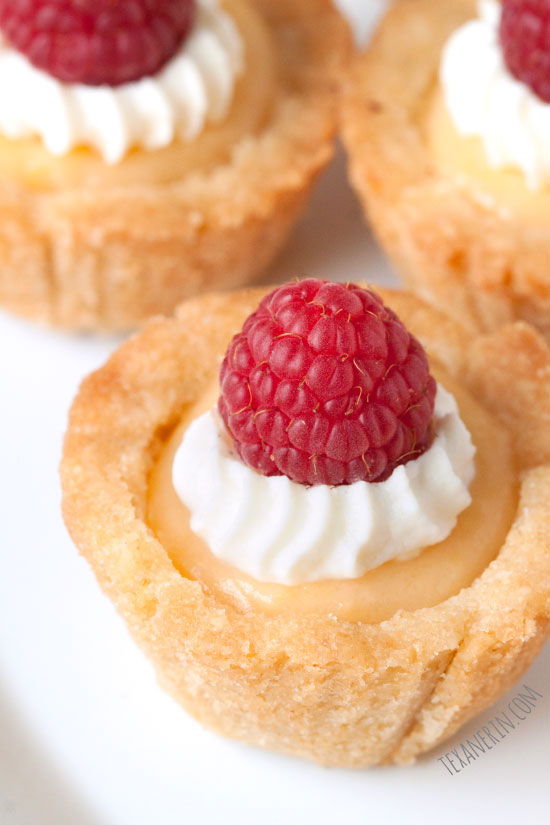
x=195 y=87
x=278 y=531
x=487 y=102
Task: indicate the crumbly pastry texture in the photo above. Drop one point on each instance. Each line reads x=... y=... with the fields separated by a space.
x=341 y=693
x=107 y=258
x=458 y=251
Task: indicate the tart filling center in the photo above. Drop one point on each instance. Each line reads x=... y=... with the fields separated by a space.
x=486 y=102
x=329 y=464
x=279 y=531
x=27 y=160
x=195 y=87
x=220 y=86
x=438 y=572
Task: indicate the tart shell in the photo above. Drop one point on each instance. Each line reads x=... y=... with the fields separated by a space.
x=340 y=693
x=108 y=258
x=456 y=249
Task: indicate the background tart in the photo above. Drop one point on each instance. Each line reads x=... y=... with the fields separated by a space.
x=472 y=240
x=315 y=685
x=85 y=245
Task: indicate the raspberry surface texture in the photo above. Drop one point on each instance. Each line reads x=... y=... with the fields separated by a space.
x=325 y=385
x=97 y=42
x=525 y=40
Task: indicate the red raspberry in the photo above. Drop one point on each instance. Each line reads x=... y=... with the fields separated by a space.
x=525 y=40
x=97 y=41
x=326 y=386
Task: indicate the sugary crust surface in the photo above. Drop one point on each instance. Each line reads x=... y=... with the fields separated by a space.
x=109 y=258
x=347 y=694
x=463 y=254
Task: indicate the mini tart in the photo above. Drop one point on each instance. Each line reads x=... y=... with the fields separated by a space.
x=340 y=692
x=87 y=246
x=474 y=244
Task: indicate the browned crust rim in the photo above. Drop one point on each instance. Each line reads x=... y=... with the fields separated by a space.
x=461 y=253
x=340 y=693
x=110 y=258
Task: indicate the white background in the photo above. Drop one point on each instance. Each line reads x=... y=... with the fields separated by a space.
x=86 y=736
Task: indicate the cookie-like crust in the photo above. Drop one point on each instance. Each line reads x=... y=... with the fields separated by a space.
x=463 y=255
x=341 y=693
x=107 y=259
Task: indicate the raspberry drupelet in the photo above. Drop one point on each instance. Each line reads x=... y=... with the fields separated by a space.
x=525 y=41
x=97 y=42
x=325 y=385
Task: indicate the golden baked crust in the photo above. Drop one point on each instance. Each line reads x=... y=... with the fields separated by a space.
x=108 y=258
x=338 y=692
x=463 y=254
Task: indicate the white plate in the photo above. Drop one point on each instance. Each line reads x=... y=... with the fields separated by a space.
x=86 y=736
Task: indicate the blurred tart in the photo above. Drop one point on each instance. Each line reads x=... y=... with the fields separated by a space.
x=131 y=182
x=446 y=124
x=321 y=647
